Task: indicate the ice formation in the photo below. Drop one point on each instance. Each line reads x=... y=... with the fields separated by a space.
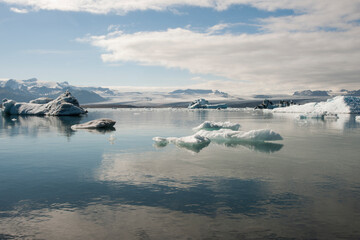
x=203 y=138
x=194 y=142
x=339 y=104
x=64 y=105
x=357 y=118
x=260 y=135
x=42 y=100
x=95 y=124
x=209 y=125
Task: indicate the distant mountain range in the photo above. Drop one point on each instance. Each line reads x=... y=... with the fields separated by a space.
x=310 y=93
x=199 y=92
x=350 y=93
x=26 y=90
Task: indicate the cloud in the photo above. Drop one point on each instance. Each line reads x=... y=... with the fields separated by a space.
x=17 y=10
x=276 y=58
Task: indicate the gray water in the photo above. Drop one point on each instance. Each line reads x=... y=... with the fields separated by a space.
x=56 y=183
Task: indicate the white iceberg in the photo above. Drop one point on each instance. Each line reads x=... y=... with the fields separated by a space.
x=357 y=118
x=260 y=135
x=211 y=126
x=339 y=104
x=201 y=103
x=64 y=105
x=203 y=138
x=194 y=142
x=95 y=124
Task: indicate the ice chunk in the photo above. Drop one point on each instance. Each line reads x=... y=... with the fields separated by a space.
x=42 y=100
x=339 y=104
x=193 y=143
x=64 y=105
x=95 y=124
x=209 y=125
x=357 y=118
x=253 y=135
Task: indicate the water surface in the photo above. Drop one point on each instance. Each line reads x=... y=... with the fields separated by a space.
x=56 y=183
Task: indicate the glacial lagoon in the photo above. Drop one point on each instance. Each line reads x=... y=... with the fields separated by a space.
x=57 y=183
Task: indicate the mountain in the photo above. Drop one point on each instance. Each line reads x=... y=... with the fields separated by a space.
x=350 y=93
x=26 y=90
x=199 y=92
x=309 y=93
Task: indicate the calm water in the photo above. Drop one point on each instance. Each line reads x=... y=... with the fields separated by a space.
x=59 y=184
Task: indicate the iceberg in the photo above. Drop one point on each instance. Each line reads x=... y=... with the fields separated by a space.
x=339 y=104
x=210 y=126
x=261 y=135
x=204 y=104
x=64 y=105
x=202 y=139
x=357 y=118
x=102 y=123
x=193 y=143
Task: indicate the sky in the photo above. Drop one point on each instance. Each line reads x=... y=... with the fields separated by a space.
x=236 y=46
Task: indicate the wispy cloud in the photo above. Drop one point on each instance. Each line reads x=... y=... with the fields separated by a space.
x=18 y=10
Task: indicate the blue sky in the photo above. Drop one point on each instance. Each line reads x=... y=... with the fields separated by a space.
x=228 y=45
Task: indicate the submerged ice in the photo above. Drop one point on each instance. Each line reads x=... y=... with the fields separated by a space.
x=64 y=105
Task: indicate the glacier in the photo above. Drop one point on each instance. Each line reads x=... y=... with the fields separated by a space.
x=339 y=104
x=64 y=105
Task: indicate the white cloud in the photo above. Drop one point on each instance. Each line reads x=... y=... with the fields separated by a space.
x=18 y=10
x=268 y=59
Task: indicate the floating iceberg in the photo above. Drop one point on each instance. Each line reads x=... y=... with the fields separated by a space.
x=194 y=142
x=203 y=138
x=204 y=104
x=357 y=118
x=102 y=123
x=64 y=105
x=210 y=126
x=340 y=104
x=260 y=135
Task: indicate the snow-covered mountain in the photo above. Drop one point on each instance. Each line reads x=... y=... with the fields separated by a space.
x=310 y=93
x=26 y=90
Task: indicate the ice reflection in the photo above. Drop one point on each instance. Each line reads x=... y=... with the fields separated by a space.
x=37 y=125
x=263 y=147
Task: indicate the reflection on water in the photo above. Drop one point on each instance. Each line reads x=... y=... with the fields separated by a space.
x=34 y=125
x=86 y=188
x=264 y=147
